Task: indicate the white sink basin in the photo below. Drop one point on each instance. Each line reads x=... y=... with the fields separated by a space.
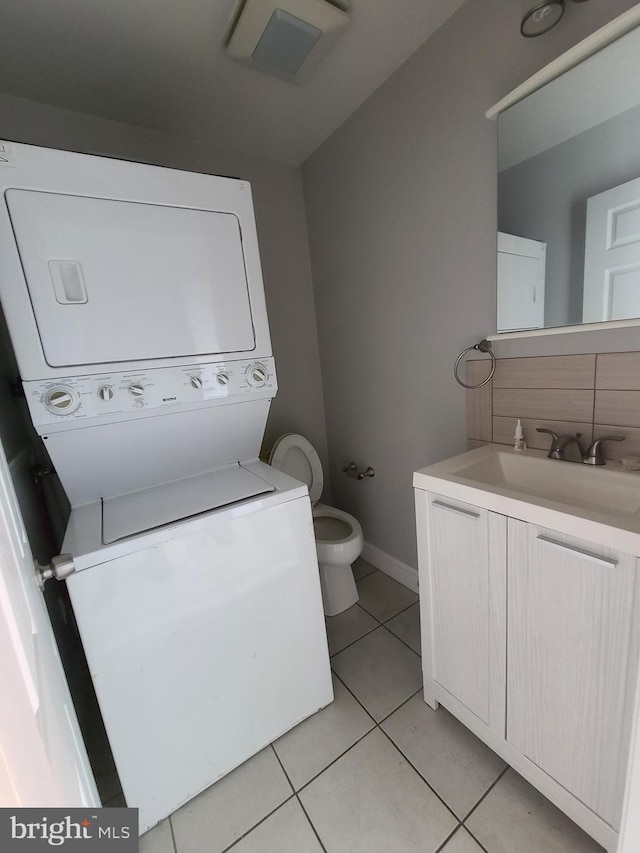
x=591 y=487
x=599 y=503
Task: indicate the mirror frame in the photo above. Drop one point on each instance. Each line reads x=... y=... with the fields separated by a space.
x=606 y=35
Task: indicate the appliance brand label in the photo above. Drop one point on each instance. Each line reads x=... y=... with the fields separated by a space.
x=87 y=829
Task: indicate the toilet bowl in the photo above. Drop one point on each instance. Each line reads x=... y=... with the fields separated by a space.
x=339 y=538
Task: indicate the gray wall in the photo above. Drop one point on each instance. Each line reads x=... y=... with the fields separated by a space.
x=545 y=198
x=282 y=233
x=401 y=210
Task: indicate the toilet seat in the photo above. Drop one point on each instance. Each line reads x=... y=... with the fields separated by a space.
x=297 y=457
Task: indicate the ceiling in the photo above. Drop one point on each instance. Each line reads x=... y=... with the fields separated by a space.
x=161 y=64
x=596 y=90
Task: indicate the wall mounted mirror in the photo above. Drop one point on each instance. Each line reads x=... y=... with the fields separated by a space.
x=569 y=196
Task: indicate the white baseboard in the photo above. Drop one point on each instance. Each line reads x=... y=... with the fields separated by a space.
x=396 y=569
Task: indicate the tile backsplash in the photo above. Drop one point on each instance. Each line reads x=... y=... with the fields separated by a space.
x=595 y=394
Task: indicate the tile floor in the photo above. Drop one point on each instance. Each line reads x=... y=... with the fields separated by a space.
x=377 y=771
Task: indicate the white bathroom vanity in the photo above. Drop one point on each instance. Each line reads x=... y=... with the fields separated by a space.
x=529 y=602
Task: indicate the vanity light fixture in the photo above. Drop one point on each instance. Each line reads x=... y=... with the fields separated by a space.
x=539 y=16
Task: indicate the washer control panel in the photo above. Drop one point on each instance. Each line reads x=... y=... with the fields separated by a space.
x=118 y=394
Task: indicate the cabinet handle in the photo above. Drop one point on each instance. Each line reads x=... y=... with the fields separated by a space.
x=466 y=512
x=595 y=558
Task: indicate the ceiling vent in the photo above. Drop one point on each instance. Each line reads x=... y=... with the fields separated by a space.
x=287 y=38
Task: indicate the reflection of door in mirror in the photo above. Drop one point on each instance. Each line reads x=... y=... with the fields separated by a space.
x=612 y=255
x=521 y=279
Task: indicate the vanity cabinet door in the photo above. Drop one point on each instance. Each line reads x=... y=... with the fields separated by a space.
x=572 y=651
x=466 y=606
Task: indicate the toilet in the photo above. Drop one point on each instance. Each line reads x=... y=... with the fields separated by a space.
x=339 y=539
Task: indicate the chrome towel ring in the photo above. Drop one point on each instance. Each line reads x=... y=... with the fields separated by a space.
x=483 y=346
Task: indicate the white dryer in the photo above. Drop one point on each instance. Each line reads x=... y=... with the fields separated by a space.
x=134 y=301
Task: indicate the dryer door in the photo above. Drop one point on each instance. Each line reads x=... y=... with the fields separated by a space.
x=115 y=281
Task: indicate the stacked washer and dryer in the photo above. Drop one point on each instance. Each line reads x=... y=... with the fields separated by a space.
x=135 y=305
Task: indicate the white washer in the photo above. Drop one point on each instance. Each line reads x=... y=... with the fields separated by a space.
x=205 y=639
x=134 y=301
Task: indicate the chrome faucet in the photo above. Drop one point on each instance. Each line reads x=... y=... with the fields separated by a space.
x=594 y=455
x=565 y=447
x=568 y=448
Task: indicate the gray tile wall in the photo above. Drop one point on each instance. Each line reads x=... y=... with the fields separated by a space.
x=594 y=394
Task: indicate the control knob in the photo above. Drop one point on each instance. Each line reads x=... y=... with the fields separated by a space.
x=222 y=377
x=195 y=381
x=136 y=390
x=257 y=374
x=61 y=400
x=105 y=392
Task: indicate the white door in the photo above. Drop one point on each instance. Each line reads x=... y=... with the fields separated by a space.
x=43 y=761
x=612 y=255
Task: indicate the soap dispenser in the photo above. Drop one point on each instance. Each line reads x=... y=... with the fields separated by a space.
x=519 y=443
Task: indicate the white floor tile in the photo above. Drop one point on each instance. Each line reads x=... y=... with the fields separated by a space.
x=462 y=842
x=383 y=597
x=347 y=627
x=315 y=743
x=231 y=807
x=285 y=831
x=157 y=840
x=372 y=801
x=515 y=818
x=361 y=569
x=406 y=625
x=458 y=766
x=380 y=671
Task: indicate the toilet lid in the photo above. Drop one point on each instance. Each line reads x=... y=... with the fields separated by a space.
x=294 y=455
